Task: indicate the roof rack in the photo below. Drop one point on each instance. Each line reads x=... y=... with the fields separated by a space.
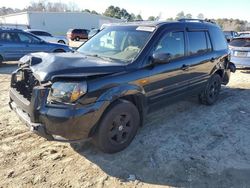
x=196 y=20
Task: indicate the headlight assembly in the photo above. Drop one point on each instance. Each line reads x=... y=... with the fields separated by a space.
x=67 y=92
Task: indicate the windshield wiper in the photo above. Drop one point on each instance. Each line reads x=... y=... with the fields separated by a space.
x=100 y=57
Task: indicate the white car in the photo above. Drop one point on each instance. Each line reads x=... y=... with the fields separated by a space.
x=48 y=37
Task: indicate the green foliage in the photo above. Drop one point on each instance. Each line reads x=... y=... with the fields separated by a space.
x=151 y=18
x=116 y=12
x=232 y=24
x=200 y=16
x=182 y=15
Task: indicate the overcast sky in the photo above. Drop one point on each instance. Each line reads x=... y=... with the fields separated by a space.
x=167 y=8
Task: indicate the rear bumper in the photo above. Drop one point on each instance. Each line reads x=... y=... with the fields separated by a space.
x=67 y=123
x=241 y=62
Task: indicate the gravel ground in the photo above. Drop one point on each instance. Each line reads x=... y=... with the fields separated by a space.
x=182 y=145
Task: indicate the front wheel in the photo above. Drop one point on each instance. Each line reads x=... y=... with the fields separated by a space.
x=118 y=127
x=212 y=90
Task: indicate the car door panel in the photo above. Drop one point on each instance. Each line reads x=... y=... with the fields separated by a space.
x=11 y=46
x=201 y=58
x=171 y=78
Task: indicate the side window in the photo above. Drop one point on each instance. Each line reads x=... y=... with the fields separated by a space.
x=45 y=34
x=41 y=33
x=84 y=32
x=218 y=39
x=172 y=43
x=35 y=32
x=199 y=42
x=9 y=37
x=25 y=38
x=5 y=37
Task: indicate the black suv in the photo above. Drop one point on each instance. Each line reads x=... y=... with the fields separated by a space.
x=105 y=88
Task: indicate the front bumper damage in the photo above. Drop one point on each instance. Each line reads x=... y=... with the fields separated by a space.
x=57 y=122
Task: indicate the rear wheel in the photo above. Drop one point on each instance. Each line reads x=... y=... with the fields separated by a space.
x=212 y=90
x=77 y=38
x=118 y=127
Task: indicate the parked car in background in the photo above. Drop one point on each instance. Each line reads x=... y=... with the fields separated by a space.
x=77 y=34
x=105 y=89
x=93 y=32
x=240 y=51
x=46 y=36
x=243 y=33
x=230 y=35
x=15 y=43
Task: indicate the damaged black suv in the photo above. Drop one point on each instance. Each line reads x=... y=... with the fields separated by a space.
x=104 y=89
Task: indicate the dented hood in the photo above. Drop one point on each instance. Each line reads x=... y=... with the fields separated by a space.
x=46 y=66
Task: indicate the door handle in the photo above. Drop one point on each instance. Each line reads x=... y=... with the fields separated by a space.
x=185 y=67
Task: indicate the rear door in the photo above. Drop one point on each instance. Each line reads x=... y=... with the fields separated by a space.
x=201 y=57
x=11 y=48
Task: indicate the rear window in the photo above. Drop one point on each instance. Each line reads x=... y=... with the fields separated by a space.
x=41 y=33
x=81 y=31
x=9 y=37
x=240 y=42
x=199 y=42
x=218 y=39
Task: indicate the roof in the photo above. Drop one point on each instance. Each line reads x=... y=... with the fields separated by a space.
x=159 y=23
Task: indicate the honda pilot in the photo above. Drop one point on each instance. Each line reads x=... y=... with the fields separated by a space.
x=104 y=89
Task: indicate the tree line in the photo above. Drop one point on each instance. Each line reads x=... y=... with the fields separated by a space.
x=120 y=13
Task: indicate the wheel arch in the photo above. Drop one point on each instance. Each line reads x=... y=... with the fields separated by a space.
x=132 y=94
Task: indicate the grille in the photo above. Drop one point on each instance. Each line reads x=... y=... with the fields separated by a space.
x=25 y=82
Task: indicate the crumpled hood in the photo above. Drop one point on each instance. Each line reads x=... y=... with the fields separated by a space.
x=46 y=66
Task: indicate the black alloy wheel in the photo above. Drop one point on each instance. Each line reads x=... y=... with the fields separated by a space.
x=117 y=127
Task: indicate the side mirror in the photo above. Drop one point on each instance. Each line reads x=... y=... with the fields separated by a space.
x=161 y=58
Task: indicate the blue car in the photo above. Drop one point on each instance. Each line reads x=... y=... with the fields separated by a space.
x=15 y=43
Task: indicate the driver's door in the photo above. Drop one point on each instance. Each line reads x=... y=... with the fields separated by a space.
x=169 y=79
x=32 y=44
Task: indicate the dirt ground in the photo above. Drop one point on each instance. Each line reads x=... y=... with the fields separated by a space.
x=182 y=145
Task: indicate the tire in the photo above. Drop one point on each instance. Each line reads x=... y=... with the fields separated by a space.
x=118 y=127
x=77 y=38
x=212 y=90
x=61 y=42
x=58 y=51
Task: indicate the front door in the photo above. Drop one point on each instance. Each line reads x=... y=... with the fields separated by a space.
x=32 y=44
x=169 y=79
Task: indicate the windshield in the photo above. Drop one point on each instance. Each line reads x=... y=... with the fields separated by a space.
x=121 y=43
x=240 y=42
